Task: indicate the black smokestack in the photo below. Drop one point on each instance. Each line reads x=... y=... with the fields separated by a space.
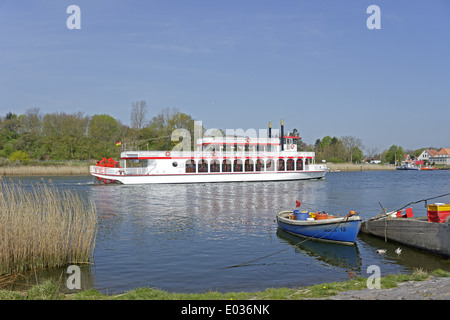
x=282 y=135
x=270 y=130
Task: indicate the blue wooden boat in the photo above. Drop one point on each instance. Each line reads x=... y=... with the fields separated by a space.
x=339 y=230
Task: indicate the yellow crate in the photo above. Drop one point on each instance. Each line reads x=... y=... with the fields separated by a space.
x=438 y=212
x=439 y=207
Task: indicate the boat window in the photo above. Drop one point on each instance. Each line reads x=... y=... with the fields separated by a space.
x=259 y=165
x=290 y=165
x=280 y=165
x=226 y=166
x=175 y=164
x=136 y=163
x=190 y=166
x=299 y=164
x=214 y=166
x=248 y=165
x=306 y=162
x=270 y=165
x=202 y=166
x=237 y=167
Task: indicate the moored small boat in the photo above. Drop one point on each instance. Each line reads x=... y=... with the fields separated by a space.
x=334 y=229
x=431 y=233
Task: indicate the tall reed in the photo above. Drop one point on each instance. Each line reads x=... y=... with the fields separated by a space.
x=42 y=227
x=66 y=170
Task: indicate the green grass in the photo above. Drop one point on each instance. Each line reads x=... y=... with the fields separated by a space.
x=50 y=291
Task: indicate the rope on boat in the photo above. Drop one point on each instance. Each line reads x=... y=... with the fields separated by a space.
x=295 y=245
x=385 y=214
x=414 y=202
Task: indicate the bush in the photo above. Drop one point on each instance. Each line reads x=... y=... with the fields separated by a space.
x=4 y=162
x=19 y=156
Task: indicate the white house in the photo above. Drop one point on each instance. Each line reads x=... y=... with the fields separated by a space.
x=442 y=157
x=427 y=154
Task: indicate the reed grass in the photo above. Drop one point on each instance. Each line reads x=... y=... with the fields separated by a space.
x=43 y=227
x=49 y=170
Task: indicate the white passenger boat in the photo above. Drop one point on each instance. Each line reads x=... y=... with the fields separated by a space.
x=217 y=159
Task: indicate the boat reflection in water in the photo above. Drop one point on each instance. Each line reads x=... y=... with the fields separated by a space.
x=338 y=255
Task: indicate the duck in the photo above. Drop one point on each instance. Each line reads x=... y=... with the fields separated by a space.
x=381 y=251
x=398 y=251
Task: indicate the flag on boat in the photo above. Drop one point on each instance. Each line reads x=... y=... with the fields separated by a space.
x=118 y=143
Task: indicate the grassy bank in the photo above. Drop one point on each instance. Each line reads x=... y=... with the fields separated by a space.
x=50 y=291
x=43 y=227
x=359 y=167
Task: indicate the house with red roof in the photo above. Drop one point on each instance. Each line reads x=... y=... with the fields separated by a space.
x=427 y=154
x=442 y=157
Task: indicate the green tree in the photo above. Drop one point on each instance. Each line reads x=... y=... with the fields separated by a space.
x=394 y=154
x=9 y=133
x=352 y=147
x=103 y=133
x=64 y=134
x=19 y=156
x=30 y=139
x=330 y=148
x=158 y=134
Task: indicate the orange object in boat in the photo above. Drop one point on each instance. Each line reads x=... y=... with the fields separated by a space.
x=321 y=216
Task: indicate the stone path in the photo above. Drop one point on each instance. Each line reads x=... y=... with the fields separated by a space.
x=435 y=288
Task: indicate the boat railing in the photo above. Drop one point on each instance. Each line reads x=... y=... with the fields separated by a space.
x=316 y=167
x=119 y=171
x=105 y=170
x=136 y=171
x=219 y=154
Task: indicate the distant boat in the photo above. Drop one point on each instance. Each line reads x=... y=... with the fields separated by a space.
x=408 y=166
x=428 y=168
x=323 y=228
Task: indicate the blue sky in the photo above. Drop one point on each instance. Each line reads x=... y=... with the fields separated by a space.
x=238 y=64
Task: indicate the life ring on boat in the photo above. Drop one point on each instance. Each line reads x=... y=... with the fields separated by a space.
x=214 y=153
x=167 y=153
x=248 y=140
x=292 y=146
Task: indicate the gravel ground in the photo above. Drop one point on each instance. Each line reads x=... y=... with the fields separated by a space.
x=435 y=288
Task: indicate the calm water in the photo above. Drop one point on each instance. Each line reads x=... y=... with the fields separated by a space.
x=186 y=238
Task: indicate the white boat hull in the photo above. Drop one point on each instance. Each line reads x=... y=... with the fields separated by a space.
x=212 y=177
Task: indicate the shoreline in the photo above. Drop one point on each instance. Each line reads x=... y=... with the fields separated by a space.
x=418 y=285
x=78 y=170
x=359 y=167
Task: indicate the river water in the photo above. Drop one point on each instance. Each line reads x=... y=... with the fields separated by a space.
x=223 y=237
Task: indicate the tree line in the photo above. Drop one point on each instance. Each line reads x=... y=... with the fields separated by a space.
x=75 y=136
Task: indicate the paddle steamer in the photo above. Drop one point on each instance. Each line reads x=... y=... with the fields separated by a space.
x=216 y=159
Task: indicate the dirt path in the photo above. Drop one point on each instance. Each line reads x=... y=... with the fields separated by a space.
x=435 y=288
